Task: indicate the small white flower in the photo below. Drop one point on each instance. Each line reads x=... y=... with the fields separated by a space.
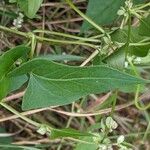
x=102 y=147
x=120 y=139
x=97 y=138
x=18 y=21
x=126 y=64
x=105 y=147
x=114 y=125
x=121 y=12
x=137 y=60
x=111 y=124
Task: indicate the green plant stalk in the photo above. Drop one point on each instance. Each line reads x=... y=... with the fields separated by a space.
x=13 y=31
x=129 y=35
x=136 y=98
x=43 y=39
x=135 y=44
x=146 y=132
x=99 y=28
x=33 y=45
x=19 y=115
x=67 y=35
x=84 y=16
x=65 y=42
x=114 y=103
x=142 y=6
x=129 y=135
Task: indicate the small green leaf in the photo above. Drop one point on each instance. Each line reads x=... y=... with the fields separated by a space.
x=117 y=58
x=83 y=146
x=57 y=133
x=30 y=7
x=6 y=62
x=121 y=35
x=4 y=87
x=144 y=28
x=9 y=57
x=56 y=84
x=17 y=82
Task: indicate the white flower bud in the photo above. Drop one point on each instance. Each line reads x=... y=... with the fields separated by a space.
x=111 y=124
x=137 y=60
x=120 y=139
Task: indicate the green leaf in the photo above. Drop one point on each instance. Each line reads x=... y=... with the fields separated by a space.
x=121 y=35
x=4 y=87
x=17 y=82
x=117 y=58
x=57 y=133
x=30 y=7
x=9 y=57
x=144 y=28
x=103 y=12
x=83 y=146
x=56 y=84
x=62 y=57
x=6 y=62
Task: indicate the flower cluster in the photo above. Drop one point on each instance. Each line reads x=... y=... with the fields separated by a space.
x=18 y=21
x=108 y=125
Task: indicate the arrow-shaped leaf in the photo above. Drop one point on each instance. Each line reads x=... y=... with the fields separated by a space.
x=56 y=84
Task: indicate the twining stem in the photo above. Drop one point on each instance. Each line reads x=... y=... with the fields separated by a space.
x=84 y=16
x=44 y=39
x=99 y=28
x=128 y=36
x=136 y=98
x=33 y=45
x=13 y=31
x=146 y=132
x=114 y=102
x=89 y=39
x=19 y=115
x=142 y=6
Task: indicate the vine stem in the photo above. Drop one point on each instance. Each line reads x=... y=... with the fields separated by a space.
x=89 y=39
x=129 y=35
x=84 y=16
x=44 y=39
x=136 y=98
x=99 y=28
x=114 y=102
x=19 y=115
x=142 y=6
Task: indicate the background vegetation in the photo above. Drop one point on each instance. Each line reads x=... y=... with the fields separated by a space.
x=74 y=74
